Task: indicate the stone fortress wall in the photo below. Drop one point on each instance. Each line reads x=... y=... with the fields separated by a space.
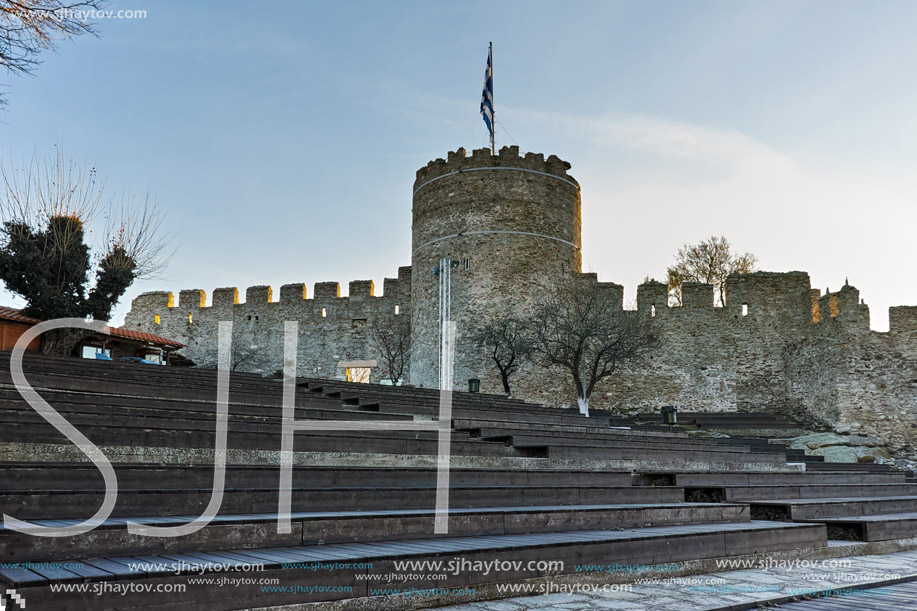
x=512 y=223
x=332 y=329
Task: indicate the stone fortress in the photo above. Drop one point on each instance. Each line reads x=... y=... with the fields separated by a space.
x=510 y=224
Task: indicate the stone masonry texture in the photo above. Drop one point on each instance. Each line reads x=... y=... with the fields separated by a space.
x=511 y=224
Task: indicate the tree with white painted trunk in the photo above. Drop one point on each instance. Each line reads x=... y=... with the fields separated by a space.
x=577 y=326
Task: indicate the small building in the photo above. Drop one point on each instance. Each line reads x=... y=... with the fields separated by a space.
x=116 y=344
x=122 y=343
x=13 y=323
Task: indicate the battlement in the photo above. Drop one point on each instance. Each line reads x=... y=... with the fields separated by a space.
x=843 y=306
x=696 y=295
x=506 y=157
x=652 y=295
x=611 y=291
x=903 y=320
x=788 y=292
x=191 y=300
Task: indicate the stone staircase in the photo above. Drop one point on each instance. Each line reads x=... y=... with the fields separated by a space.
x=545 y=491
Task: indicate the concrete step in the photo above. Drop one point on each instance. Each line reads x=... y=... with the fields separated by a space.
x=492 y=414
x=62 y=504
x=506 y=428
x=876 y=527
x=311 y=528
x=712 y=457
x=135 y=418
x=587 y=441
x=810 y=509
x=383 y=442
x=837 y=466
x=570 y=550
x=701 y=480
x=63 y=476
x=244 y=403
x=814 y=491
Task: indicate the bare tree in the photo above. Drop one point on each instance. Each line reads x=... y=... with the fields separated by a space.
x=710 y=262
x=243 y=354
x=50 y=209
x=28 y=27
x=391 y=337
x=578 y=328
x=507 y=341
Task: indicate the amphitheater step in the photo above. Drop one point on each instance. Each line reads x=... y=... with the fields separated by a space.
x=699 y=480
x=837 y=466
x=517 y=557
x=381 y=442
x=814 y=491
x=813 y=509
x=37 y=504
x=506 y=429
x=711 y=457
x=588 y=441
x=61 y=476
x=258 y=530
x=877 y=527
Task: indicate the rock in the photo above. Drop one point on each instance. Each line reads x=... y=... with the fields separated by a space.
x=836 y=453
x=840 y=448
x=814 y=441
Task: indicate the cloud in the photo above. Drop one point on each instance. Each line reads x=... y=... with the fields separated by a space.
x=722 y=147
x=795 y=212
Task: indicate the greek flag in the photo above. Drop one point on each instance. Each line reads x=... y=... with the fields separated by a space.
x=487 y=96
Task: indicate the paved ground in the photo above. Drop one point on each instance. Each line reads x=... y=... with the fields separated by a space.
x=887 y=598
x=733 y=590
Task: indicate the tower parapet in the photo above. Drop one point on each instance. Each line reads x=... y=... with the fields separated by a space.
x=507 y=157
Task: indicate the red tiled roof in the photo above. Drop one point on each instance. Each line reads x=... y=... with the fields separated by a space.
x=144 y=337
x=16 y=315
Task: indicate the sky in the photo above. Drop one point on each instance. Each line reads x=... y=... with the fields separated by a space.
x=281 y=139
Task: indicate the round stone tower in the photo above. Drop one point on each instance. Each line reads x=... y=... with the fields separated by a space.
x=509 y=224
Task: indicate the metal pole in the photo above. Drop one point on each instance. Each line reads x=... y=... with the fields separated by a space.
x=446 y=335
x=493 y=126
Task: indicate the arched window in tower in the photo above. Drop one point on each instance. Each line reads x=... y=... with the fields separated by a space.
x=397 y=309
x=653 y=311
x=467 y=262
x=190 y=318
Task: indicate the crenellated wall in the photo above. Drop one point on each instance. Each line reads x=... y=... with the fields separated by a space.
x=332 y=328
x=780 y=346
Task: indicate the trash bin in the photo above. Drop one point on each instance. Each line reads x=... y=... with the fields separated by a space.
x=669 y=414
x=474 y=385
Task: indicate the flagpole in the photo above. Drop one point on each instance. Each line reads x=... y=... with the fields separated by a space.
x=493 y=127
